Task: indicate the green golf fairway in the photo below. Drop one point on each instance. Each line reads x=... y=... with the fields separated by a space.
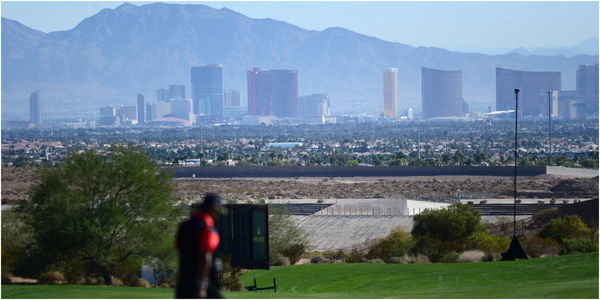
x=570 y=276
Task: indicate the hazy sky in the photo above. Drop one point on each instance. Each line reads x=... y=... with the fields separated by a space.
x=453 y=25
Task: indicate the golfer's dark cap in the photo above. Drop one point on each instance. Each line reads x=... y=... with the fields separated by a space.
x=213 y=200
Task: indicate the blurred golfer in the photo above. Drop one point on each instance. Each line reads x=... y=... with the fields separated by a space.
x=197 y=243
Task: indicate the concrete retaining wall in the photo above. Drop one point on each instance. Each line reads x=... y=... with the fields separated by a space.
x=577 y=172
x=343 y=171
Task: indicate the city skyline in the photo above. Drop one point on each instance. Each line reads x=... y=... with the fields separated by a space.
x=338 y=62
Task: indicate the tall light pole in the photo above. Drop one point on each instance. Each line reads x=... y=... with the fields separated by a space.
x=549 y=127
x=516 y=160
x=418 y=139
x=515 y=250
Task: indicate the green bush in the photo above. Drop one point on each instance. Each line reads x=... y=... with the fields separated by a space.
x=488 y=243
x=285 y=236
x=567 y=227
x=440 y=232
x=354 y=256
x=542 y=217
x=16 y=242
x=282 y=261
x=333 y=255
x=397 y=243
x=449 y=257
x=53 y=277
x=572 y=246
x=317 y=259
x=536 y=246
x=294 y=252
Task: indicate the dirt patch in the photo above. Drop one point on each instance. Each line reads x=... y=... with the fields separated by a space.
x=17 y=181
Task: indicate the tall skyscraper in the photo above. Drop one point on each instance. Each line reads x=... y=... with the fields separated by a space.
x=531 y=84
x=252 y=75
x=232 y=98
x=207 y=90
x=108 y=116
x=162 y=95
x=176 y=91
x=441 y=93
x=35 y=108
x=276 y=93
x=390 y=92
x=141 y=109
x=587 y=87
x=315 y=105
x=149 y=112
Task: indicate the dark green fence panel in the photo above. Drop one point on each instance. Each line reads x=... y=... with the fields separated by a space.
x=245 y=235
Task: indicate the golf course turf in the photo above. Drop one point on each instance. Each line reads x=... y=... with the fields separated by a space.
x=569 y=276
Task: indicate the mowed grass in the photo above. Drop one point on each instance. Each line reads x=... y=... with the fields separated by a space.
x=571 y=276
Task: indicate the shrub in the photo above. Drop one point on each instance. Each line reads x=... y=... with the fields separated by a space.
x=317 y=258
x=471 y=256
x=143 y=282
x=396 y=260
x=448 y=257
x=488 y=243
x=421 y=259
x=285 y=236
x=51 y=278
x=504 y=226
x=231 y=275
x=397 y=243
x=282 y=261
x=294 y=252
x=440 y=232
x=536 y=246
x=333 y=255
x=116 y=281
x=353 y=256
x=6 y=278
x=74 y=271
x=572 y=246
x=567 y=227
x=375 y=261
x=542 y=217
x=135 y=281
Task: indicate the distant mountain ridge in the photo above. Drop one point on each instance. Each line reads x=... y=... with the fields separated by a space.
x=116 y=53
x=587 y=47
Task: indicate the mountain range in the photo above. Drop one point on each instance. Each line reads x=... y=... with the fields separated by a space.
x=587 y=47
x=111 y=56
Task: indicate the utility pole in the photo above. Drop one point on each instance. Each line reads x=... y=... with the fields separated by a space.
x=549 y=127
x=515 y=250
x=516 y=160
x=418 y=139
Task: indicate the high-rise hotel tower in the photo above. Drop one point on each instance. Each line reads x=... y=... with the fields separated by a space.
x=441 y=93
x=390 y=92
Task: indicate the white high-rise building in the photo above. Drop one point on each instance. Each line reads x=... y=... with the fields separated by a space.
x=390 y=92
